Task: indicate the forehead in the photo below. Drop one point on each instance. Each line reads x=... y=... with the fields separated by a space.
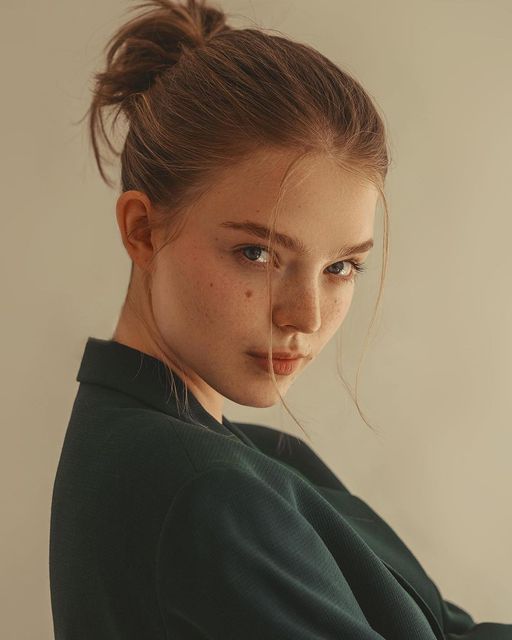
x=320 y=201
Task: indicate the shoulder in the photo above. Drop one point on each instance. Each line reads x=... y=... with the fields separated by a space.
x=151 y=451
x=227 y=485
x=229 y=504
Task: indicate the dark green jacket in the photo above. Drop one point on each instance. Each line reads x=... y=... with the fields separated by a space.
x=179 y=527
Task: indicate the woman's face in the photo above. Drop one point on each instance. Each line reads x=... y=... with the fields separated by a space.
x=209 y=293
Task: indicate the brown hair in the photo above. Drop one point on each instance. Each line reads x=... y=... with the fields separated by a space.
x=198 y=96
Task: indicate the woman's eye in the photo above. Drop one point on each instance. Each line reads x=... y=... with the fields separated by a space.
x=356 y=267
x=250 y=248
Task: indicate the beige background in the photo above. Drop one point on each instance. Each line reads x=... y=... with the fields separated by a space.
x=437 y=379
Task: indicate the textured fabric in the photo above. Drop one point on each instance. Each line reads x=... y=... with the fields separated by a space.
x=171 y=525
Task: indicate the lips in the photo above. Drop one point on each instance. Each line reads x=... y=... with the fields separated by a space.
x=280 y=366
x=278 y=355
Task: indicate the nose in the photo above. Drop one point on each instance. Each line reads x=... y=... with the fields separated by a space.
x=298 y=307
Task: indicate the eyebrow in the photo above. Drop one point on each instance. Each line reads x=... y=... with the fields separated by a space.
x=291 y=243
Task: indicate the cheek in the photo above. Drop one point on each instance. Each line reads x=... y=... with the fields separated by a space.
x=336 y=310
x=226 y=295
x=224 y=286
x=184 y=291
x=220 y=297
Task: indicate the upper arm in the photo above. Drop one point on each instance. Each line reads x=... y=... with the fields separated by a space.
x=236 y=560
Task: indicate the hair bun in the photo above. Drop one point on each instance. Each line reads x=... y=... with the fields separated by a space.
x=152 y=42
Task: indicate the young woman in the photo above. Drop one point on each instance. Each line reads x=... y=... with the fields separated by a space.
x=250 y=174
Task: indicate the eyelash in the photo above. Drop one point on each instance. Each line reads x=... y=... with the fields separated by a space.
x=358 y=267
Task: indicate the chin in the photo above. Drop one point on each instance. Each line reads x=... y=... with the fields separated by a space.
x=263 y=400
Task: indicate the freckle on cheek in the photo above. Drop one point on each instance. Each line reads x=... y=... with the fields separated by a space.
x=248 y=294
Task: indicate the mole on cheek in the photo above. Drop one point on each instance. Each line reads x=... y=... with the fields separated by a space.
x=248 y=294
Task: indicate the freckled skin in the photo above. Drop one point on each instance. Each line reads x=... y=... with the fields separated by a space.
x=210 y=303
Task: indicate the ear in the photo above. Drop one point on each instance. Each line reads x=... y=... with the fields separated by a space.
x=133 y=213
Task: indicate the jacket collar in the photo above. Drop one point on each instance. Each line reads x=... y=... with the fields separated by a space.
x=115 y=365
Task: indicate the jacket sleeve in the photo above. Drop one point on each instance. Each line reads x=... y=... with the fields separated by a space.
x=236 y=560
x=459 y=625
